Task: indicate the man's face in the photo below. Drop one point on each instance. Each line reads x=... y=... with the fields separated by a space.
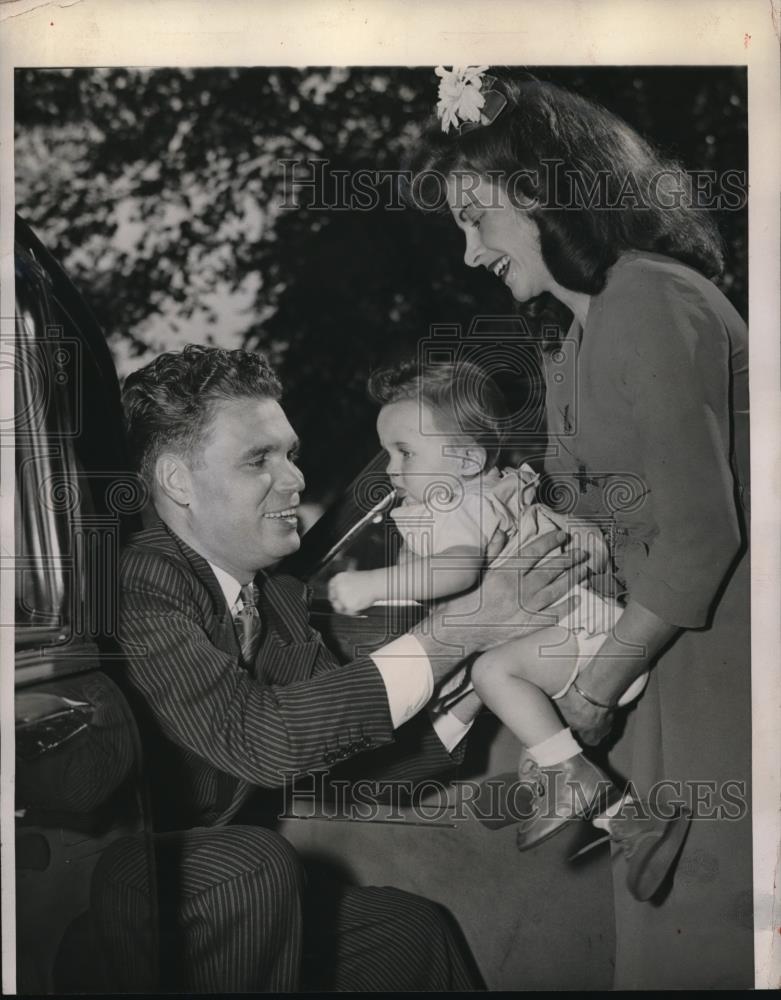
x=245 y=487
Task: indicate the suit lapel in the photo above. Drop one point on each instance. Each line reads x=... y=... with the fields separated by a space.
x=288 y=649
x=220 y=627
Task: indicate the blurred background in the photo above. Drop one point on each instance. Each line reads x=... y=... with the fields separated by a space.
x=163 y=194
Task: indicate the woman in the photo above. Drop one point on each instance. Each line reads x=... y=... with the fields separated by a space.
x=648 y=432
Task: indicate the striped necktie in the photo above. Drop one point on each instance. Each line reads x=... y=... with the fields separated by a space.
x=246 y=618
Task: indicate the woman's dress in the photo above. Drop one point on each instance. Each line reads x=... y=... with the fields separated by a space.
x=647 y=411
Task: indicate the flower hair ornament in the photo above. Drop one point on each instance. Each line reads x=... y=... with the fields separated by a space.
x=466 y=98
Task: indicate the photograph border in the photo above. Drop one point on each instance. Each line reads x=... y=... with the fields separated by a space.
x=388 y=33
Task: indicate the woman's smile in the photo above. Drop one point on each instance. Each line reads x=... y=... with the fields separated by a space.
x=505 y=240
x=500 y=267
x=499 y=237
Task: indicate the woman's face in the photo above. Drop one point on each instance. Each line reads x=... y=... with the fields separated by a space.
x=499 y=236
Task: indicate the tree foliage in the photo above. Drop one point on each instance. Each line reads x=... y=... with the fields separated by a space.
x=163 y=193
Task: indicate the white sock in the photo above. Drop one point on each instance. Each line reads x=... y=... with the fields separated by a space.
x=603 y=819
x=556 y=749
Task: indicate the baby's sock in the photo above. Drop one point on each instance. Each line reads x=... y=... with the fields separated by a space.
x=556 y=749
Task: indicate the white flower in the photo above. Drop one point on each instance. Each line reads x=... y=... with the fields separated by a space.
x=460 y=99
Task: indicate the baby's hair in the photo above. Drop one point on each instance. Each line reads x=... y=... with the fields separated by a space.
x=465 y=398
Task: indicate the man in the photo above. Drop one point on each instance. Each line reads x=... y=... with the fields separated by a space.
x=237 y=693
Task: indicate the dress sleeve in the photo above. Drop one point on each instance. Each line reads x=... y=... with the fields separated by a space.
x=674 y=356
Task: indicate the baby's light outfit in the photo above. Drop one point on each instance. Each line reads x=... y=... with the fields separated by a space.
x=469 y=512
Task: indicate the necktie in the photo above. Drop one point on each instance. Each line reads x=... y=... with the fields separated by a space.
x=246 y=618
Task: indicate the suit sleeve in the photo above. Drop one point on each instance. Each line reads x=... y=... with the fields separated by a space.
x=674 y=371
x=416 y=753
x=206 y=703
x=395 y=771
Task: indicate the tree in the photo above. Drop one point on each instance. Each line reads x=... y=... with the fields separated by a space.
x=167 y=195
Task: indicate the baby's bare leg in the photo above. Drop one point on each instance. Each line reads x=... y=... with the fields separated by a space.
x=516 y=681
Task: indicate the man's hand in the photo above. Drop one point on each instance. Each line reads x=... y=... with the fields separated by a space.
x=515 y=598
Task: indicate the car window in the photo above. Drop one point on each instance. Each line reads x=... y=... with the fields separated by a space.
x=46 y=509
x=75 y=495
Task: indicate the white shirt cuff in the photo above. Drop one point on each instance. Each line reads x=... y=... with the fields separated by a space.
x=449 y=729
x=406 y=674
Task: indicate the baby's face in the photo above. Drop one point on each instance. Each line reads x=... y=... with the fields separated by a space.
x=421 y=459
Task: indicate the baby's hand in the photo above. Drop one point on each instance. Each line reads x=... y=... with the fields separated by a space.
x=349 y=592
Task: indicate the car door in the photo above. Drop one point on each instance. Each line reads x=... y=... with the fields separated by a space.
x=81 y=809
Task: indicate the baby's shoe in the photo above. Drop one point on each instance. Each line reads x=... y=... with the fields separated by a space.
x=502 y=800
x=573 y=789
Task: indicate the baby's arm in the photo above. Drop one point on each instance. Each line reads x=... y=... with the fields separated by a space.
x=415 y=579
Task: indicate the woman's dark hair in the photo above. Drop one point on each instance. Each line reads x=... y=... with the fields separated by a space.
x=465 y=398
x=593 y=186
x=170 y=402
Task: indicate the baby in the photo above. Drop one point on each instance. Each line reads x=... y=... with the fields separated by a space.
x=441 y=427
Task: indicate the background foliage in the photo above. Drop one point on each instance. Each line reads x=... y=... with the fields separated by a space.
x=161 y=192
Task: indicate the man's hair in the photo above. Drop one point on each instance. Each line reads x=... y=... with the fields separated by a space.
x=170 y=402
x=462 y=395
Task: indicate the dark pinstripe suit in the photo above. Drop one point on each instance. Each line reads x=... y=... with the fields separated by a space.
x=213 y=733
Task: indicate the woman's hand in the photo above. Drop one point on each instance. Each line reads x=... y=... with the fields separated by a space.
x=629 y=650
x=592 y=724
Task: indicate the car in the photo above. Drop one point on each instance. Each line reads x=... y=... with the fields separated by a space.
x=82 y=804
x=80 y=788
